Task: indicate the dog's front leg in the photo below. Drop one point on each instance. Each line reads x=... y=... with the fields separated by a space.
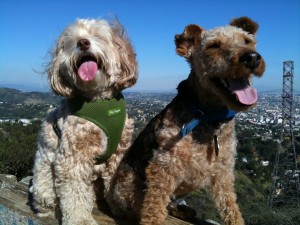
x=75 y=190
x=160 y=185
x=74 y=170
x=225 y=198
x=42 y=189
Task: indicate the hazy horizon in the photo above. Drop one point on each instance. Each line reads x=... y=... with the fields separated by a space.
x=45 y=88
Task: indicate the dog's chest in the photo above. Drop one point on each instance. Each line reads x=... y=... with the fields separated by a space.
x=215 y=139
x=211 y=150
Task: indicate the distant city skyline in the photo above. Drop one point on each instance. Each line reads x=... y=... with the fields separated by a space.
x=30 y=28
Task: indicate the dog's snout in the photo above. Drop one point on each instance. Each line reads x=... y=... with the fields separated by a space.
x=83 y=44
x=251 y=59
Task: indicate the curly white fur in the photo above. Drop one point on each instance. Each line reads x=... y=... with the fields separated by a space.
x=64 y=169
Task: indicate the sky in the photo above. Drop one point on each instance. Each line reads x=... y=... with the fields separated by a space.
x=29 y=30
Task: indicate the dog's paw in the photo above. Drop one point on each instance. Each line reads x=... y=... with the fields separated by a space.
x=42 y=210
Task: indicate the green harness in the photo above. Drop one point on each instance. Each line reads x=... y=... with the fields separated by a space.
x=108 y=114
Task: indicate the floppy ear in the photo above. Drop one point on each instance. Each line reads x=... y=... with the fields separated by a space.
x=128 y=62
x=129 y=68
x=246 y=24
x=58 y=83
x=188 y=40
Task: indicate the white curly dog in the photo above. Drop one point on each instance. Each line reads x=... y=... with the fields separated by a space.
x=86 y=136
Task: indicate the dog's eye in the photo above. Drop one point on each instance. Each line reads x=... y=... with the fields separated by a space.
x=213 y=46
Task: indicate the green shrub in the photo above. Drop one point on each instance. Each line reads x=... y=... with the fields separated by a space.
x=17 y=148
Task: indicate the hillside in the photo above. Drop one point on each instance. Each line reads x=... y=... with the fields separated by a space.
x=13 y=96
x=15 y=104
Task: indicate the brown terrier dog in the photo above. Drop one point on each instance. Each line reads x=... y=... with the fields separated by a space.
x=192 y=143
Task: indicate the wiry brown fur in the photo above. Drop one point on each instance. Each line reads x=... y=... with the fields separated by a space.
x=161 y=165
x=64 y=169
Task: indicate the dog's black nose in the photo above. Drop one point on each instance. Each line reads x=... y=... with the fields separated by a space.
x=83 y=44
x=251 y=59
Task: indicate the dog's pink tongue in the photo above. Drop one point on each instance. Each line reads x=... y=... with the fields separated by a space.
x=87 y=70
x=243 y=92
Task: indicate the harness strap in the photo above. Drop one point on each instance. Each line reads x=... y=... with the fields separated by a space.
x=56 y=129
x=218 y=116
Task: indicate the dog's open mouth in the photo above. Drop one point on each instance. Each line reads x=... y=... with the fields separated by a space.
x=240 y=90
x=87 y=68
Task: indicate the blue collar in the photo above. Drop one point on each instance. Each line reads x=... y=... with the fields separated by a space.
x=226 y=114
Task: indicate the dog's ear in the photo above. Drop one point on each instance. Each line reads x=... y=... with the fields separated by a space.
x=188 y=40
x=246 y=24
x=58 y=83
x=128 y=62
x=129 y=71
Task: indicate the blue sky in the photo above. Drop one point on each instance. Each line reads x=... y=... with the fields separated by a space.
x=29 y=30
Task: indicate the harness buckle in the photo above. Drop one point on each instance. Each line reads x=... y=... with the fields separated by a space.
x=183 y=130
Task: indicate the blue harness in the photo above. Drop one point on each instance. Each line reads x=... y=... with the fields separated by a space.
x=225 y=114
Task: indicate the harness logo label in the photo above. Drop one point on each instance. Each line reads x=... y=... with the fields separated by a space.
x=113 y=111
